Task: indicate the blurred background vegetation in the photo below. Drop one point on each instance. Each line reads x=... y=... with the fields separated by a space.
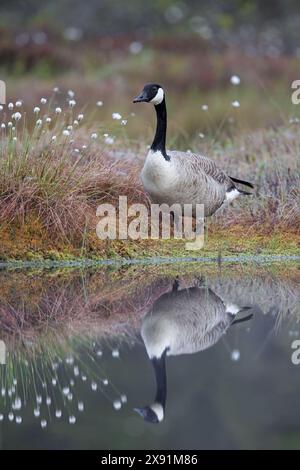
x=106 y=50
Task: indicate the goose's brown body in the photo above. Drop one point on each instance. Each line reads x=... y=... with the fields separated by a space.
x=186 y=179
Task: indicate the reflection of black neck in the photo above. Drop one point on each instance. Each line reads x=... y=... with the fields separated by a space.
x=159 y=142
x=159 y=365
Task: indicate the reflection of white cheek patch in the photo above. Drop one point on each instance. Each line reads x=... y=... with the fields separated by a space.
x=158 y=97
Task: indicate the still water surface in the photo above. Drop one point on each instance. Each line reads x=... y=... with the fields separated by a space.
x=184 y=357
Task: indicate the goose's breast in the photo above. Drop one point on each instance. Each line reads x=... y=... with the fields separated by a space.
x=159 y=176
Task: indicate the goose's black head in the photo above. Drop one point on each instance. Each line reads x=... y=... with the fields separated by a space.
x=152 y=93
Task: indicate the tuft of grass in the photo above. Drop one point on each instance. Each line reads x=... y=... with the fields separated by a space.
x=56 y=173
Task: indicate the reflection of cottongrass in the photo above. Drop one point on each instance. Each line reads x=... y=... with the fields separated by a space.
x=52 y=334
x=50 y=384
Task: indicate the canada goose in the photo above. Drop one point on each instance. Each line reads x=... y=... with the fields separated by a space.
x=182 y=322
x=171 y=176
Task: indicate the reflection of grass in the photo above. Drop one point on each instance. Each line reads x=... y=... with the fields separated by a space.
x=57 y=323
x=44 y=309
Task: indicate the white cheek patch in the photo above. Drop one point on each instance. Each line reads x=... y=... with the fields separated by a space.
x=158 y=97
x=158 y=410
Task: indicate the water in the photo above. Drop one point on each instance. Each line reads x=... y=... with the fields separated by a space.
x=76 y=348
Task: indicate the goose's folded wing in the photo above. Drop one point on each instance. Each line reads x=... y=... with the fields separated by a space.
x=198 y=164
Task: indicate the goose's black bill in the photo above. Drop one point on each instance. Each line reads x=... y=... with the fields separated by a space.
x=143 y=97
x=147 y=414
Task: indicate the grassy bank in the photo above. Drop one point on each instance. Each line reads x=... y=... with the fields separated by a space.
x=58 y=164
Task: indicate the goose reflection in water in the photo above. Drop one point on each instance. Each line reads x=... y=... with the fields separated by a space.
x=183 y=321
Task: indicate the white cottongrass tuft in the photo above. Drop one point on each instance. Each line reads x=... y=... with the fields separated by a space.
x=10 y=106
x=58 y=110
x=17 y=116
x=235 y=355
x=48 y=120
x=235 y=80
x=99 y=103
x=3 y=126
x=72 y=419
x=201 y=135
x=80 y=117
x=43 y=100
x=66 y=132
x=72 y=103
x=124 y=122
x=116 y=116
x=80 y=406
x=36 y=110
x=53 y=138
x=109 y=140
x=204 y=107
x=56 y=89
x=71 y=93
x=18 y=104
x=135 y=47
x=39 y=122
x=235 y=104
x=117 y=404
x=39 y=399
x=94 y=135
x=17 y=405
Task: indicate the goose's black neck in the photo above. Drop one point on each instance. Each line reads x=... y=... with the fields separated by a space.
x=159 y=142
x=159 y=365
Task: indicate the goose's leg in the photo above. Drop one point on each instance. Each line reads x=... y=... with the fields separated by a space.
x=206 y=229
x=175 y=286
x=200 y=281
x=177 y=224
x=198 y=242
